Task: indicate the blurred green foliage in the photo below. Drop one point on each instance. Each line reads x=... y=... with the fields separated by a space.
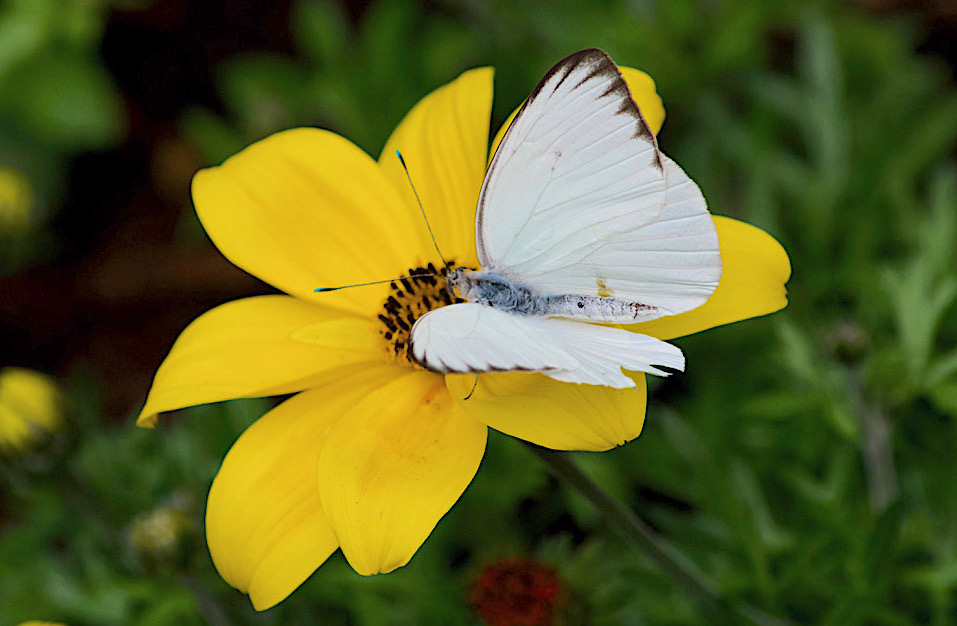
x=56 y=100
x=812 y=478
x=54 y=86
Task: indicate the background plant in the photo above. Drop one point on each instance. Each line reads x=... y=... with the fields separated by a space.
x=804 y=461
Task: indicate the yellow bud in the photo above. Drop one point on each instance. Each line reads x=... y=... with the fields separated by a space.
x=31 y=409
x=16 y=201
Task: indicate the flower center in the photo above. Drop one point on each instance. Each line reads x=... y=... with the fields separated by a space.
x=423 y=290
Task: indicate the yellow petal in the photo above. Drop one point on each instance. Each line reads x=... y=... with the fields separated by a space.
x=264 y=522
x=643 y=92
x=393 y=466
x=262 y=346
x=562 y=416
x=304 y=209
x=444 y=141
x=756 y=269
x=645 y=95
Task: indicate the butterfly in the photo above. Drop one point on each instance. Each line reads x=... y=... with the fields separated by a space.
x=581 y=222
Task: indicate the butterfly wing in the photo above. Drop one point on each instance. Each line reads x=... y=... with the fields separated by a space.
x=578 y=141
x=579 y=199
x=473 y=338
x=671 y=263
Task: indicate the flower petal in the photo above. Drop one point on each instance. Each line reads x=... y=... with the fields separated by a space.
x=444 y=141
x=643 y=92
x=562 y=416
x=261 y=346
x=264 y=522
x=306 y=208
x=393 y=466
x=756 y=269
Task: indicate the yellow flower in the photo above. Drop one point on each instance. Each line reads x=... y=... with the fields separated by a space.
x=372 y=451
x=31 y=408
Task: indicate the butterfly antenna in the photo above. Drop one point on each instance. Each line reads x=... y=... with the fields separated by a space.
x=375 y=282
x=421 y=208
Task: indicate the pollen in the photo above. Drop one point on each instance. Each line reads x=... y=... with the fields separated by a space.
x=603 y=289
x=424 y=289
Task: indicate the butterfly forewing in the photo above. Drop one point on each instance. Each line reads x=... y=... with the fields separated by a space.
x=579 y=200
x=577 y=165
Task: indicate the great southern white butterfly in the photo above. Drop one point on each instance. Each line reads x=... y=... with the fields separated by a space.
x=581 y=221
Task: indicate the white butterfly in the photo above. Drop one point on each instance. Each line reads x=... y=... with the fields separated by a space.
x=580 y=219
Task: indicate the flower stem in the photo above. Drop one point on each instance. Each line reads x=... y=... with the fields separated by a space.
x=641 y=537
x=877 y=444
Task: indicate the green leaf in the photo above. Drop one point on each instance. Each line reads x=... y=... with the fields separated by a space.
x=930 y=133
x=214 y=137
x=320 y=28
x=23 y=31
x=175 y=607
x=265 y=92
x=944 y=397
x=920 y=301
x=67 y=100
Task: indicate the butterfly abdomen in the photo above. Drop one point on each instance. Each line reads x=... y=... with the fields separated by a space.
x=503 y=294
x=599 y=308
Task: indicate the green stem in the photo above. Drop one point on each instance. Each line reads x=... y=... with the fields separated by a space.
x=877 y=445
x=641 y=537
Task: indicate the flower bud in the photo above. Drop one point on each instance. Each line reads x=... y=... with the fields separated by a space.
x=848 y=342
x=163 y=539
x=16 y=202
x=31 y=409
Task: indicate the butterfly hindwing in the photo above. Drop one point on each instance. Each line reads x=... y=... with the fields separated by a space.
x=672 y=263
x=473 y=338
x=469 y=337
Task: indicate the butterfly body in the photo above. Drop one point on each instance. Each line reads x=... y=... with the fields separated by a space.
x=580 y=219
x=490 y=289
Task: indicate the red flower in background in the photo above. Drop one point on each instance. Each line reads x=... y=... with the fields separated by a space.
x=517 y=592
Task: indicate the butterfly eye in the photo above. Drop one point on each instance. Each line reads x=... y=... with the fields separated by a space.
x=457 y=281
x=458 y=274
